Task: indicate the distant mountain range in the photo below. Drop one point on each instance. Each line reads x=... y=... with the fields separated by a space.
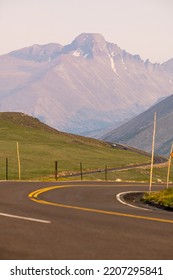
x=138 y=132
x=82 y=87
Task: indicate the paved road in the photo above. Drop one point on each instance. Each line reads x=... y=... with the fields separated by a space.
x=81 y=220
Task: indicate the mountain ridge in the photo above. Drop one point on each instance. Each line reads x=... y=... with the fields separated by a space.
x=138 y=131
x=88 y=85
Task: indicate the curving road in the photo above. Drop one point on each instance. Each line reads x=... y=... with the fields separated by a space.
x=80 y=220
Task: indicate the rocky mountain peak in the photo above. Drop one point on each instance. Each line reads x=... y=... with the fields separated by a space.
x=88 y=44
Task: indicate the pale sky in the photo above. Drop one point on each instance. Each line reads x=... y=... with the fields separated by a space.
x=143 y=27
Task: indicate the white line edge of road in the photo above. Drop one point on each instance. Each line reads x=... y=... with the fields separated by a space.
x=24 y=218
x=118 y=196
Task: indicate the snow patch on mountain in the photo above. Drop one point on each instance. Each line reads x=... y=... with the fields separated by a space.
x=77 y=53
x=113 y=65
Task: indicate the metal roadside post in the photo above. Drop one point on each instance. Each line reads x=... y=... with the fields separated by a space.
x=81 y=171
x=56 y=170
x=6 y=168
x=106 y=172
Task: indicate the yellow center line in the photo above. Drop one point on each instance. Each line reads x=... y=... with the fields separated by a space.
x=34 y=197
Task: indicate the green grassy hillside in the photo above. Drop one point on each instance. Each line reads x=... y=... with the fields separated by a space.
x=40 y=146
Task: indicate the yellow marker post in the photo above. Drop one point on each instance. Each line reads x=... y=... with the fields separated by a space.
x=18 y=158
x=169 y=166
x=152 y=156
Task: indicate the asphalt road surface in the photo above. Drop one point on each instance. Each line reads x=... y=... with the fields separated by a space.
x=80 y=220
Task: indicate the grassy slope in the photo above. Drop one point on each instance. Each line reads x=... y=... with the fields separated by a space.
x=41 y=145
